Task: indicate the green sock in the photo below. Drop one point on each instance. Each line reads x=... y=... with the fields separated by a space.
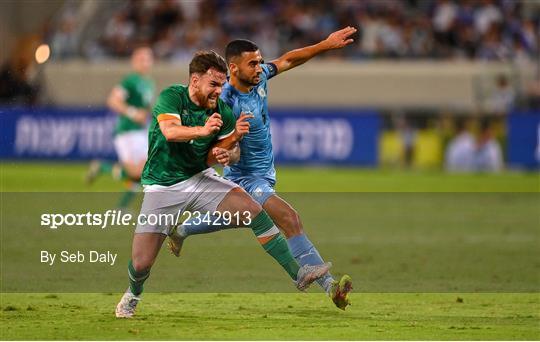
x=105 y=167
x=118 y=172
x=136 y=279
x=274 y=243
x=279 y=250
x=126 y=198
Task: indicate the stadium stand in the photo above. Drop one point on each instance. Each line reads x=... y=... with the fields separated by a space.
x=487 y=30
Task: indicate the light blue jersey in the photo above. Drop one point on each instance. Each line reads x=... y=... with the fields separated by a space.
x=256 y=165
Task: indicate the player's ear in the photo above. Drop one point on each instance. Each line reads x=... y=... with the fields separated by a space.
x=232 y=68
x=194 y=80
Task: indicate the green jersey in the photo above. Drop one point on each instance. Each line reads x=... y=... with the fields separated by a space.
x=173 y=162
x=139 y=93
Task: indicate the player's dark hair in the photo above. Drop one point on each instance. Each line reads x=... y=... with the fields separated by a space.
x=141 y=45
x=236 y=47
x=204 y=60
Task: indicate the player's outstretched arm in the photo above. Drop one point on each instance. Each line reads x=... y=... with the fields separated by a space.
x=173 y=131
x=294 y=58
x=117 y=103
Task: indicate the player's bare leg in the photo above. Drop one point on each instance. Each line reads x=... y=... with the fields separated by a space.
x=145 y=249
x=131 y=173
x=134 y=170
x=234 y=201
x=237 y=200
x=288 y=220
x=284 y=216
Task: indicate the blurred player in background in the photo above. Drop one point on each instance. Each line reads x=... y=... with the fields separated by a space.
x=131 y=100
x=460 y=152
x=246 y=93
x=191 y=129
x=488 y=155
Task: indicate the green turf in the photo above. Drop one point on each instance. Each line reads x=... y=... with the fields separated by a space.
x=406 y=236
x=274 y=317
x=68 y=177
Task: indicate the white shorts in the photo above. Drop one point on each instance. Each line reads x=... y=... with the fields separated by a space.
x=202 y=193
x=132 y=146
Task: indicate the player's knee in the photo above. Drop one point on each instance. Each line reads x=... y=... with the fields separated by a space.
x=253 y=207
x=142 y=263
x=136 y=178
x=244 y=204
x=238 y=202
x=291 y=224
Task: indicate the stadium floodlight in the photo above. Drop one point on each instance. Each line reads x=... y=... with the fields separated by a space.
x=43 y=52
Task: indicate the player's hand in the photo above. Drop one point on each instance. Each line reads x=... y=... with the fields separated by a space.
x=141 y=116
x=213 y=124
x=222 y=155
x=242 y=125
x=340 y=38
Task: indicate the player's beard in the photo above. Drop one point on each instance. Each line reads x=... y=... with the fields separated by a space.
x=205 y=101
x=211 y=103
x=249 y=82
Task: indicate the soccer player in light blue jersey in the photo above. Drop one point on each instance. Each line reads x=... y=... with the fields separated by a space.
x=246 y=93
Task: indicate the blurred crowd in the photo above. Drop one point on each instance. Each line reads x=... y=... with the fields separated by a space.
x=457 y=141
x=472 y=29
x=467 y=152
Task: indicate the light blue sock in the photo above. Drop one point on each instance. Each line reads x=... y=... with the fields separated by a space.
x=198 y=225
x=306 y=254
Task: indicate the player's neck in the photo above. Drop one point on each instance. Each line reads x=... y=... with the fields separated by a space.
x=239 y=85
x=192 y=96
x=139 y=72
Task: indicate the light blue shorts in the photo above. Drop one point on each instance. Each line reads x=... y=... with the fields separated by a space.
x=259 y=188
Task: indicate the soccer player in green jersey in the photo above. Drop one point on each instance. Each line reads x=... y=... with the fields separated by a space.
x=131 y=100
x=191 y=129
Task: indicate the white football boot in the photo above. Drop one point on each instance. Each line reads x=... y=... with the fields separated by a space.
x=307 y=274
x=126 y=306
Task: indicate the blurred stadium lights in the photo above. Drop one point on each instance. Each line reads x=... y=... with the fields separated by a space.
x=43 y=53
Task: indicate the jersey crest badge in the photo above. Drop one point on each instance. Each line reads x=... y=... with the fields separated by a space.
x=261 y=91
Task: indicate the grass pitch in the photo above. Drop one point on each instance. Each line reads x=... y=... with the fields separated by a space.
x=461 y=250
x=273 y=317
x=69 y=176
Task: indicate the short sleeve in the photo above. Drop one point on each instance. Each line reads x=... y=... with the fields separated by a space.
x=125 y=87
x=229 y=121
x=127 y=84
x=168 y=105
